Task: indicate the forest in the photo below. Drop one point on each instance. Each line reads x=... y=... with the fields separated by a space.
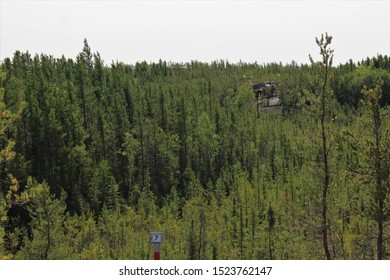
x=95 y=156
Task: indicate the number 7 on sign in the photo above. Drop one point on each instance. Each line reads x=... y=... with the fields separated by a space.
x=156 y=237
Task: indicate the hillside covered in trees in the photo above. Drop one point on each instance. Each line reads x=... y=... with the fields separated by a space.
x=95 y=156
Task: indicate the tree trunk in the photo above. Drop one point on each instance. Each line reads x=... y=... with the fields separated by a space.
x=380 y=233
x=325 y=188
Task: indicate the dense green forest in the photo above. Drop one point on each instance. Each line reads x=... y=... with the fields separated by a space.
x=94 y=157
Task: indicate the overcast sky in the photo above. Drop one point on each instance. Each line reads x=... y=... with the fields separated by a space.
x=181 y=31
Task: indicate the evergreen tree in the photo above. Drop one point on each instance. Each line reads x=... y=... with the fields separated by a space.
x=47 y=224
x=321 y=95
x=373 y=166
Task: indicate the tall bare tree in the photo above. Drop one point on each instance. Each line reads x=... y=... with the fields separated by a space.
x=322 y=93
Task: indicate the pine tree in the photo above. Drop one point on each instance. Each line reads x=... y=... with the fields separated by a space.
x=373 y=166
x=11 y=195
x=47 y=224
x=130 y=150
x=322 y=113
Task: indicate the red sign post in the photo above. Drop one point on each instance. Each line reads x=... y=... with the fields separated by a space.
x=156 y=251
x=156 y=238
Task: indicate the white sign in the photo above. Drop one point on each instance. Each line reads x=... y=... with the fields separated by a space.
x=156 y=237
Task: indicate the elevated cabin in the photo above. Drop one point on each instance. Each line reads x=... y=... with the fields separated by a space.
x=266 y=94
x=266 y=89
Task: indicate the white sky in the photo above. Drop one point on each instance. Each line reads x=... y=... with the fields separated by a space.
x=181 y=31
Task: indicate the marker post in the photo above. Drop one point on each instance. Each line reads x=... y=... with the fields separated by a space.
x=156 y=238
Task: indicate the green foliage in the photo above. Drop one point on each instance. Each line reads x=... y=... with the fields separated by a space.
x=348 y=86
x=48 y=214
x=123 y=150
x=322 y=103
x=10 y=192
x=372 y=166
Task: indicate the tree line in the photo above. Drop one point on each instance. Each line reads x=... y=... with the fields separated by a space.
x=96 y=156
